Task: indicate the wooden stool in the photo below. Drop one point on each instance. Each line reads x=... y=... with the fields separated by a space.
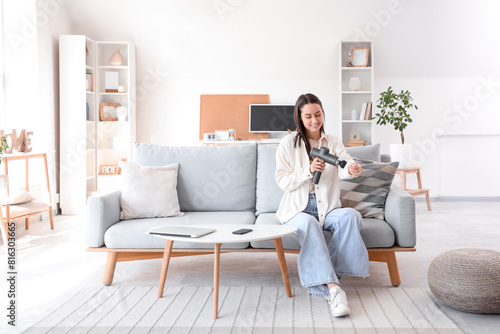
x=414 y=192
x=24 y=210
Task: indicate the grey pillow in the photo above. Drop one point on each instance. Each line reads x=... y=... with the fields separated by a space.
x=368 y=192
x=368 y=153
x=269 y=194
x=211 y=178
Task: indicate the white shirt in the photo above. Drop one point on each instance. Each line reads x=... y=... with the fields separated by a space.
x=294 y=177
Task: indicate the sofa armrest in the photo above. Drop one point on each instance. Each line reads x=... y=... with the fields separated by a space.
x=400 y=215
x=103 y=210
x=385 y=157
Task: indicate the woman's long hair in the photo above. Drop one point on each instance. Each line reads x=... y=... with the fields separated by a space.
x=301 y=135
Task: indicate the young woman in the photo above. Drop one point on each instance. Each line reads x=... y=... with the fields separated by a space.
x=314 y=208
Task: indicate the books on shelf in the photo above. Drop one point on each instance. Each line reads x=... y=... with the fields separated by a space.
x=90 y=82
x=366 y=112
x=352 y=143
x=363 y=111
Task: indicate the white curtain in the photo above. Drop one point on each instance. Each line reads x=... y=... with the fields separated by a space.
x=28 y=84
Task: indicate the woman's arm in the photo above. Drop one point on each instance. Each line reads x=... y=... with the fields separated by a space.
x=289 y=175
x=352 y=169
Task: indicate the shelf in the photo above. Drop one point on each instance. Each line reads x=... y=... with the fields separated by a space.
x=113 y=122
x=356 y=92
x=367 y=68
x=113 y=94
x=112 y=67
x=83 y=179
x=418 y=192
x=113 y=149
x=350 y=100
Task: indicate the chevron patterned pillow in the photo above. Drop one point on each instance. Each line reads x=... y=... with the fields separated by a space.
x=368 y=192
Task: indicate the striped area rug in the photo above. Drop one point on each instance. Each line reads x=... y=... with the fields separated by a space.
x=116 y=309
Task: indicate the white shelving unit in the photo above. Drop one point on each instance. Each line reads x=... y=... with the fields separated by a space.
x=115 y=138
x=85 y=139
x=350 y=100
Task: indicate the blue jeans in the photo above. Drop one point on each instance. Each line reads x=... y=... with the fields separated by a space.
x=320 y=263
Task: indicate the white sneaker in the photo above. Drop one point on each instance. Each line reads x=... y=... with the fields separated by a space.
x=338 y=302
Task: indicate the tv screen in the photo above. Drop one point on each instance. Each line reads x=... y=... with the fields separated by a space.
x=271 y=118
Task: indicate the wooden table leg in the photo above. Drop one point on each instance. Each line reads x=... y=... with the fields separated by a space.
x=419 y=180
x=403 y=180
x=284 y=271
x=216 y=279
x=428 y=200
x=164 y=266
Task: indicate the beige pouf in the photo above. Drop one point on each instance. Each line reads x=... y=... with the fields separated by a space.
x=467 y=279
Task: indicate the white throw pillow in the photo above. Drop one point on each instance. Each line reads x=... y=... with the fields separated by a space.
x=149 y=192
x=22 y=196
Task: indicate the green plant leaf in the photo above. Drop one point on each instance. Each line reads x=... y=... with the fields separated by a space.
x=395 y=109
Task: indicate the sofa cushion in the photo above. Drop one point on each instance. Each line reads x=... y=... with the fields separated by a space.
x=211 y=178
x=132 y=233
x=22 y=196
x=368 y=192
x=369 y=152
x=376 y=233
x=149 y=192
x=268 y=193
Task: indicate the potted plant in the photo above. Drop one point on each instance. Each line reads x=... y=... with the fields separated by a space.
x=395 y=110
x=3 y=146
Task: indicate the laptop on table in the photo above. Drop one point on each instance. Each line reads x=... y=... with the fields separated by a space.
x=181 y=231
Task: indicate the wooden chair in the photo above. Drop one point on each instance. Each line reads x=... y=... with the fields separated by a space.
x=11 y=211
x=414 y=192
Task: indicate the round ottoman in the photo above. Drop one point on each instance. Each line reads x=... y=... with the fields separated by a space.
x=467 y=279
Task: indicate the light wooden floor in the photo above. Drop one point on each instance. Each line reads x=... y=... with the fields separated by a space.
x=52 y=262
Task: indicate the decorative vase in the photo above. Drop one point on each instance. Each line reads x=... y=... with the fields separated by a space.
x=354 y=115
x=121 y=112
x=401 y=153
x=117 y=58
x=354 y=84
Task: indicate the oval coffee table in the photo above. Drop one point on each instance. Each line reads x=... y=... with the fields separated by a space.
x=223 y=234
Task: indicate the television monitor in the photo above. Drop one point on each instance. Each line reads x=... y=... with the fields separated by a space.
x=269 y=118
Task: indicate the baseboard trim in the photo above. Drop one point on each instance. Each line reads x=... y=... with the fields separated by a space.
x=459 y=199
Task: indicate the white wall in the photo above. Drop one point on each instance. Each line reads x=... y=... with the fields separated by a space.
x=443 y=52
x=20 y=64
x=31 y=82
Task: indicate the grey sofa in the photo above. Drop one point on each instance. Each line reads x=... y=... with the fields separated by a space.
x=231 y=185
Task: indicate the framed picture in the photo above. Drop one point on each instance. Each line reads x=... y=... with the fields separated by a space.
x=108 y=170
x=107 y=111
x=90 y=82
x=354 y=135
x=111 y=82
x=359 y=56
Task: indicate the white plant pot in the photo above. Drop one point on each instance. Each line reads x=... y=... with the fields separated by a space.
x=401 y=153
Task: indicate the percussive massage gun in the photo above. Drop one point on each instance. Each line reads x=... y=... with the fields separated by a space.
x=324 y=153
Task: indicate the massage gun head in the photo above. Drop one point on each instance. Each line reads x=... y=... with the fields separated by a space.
x=324 y=153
